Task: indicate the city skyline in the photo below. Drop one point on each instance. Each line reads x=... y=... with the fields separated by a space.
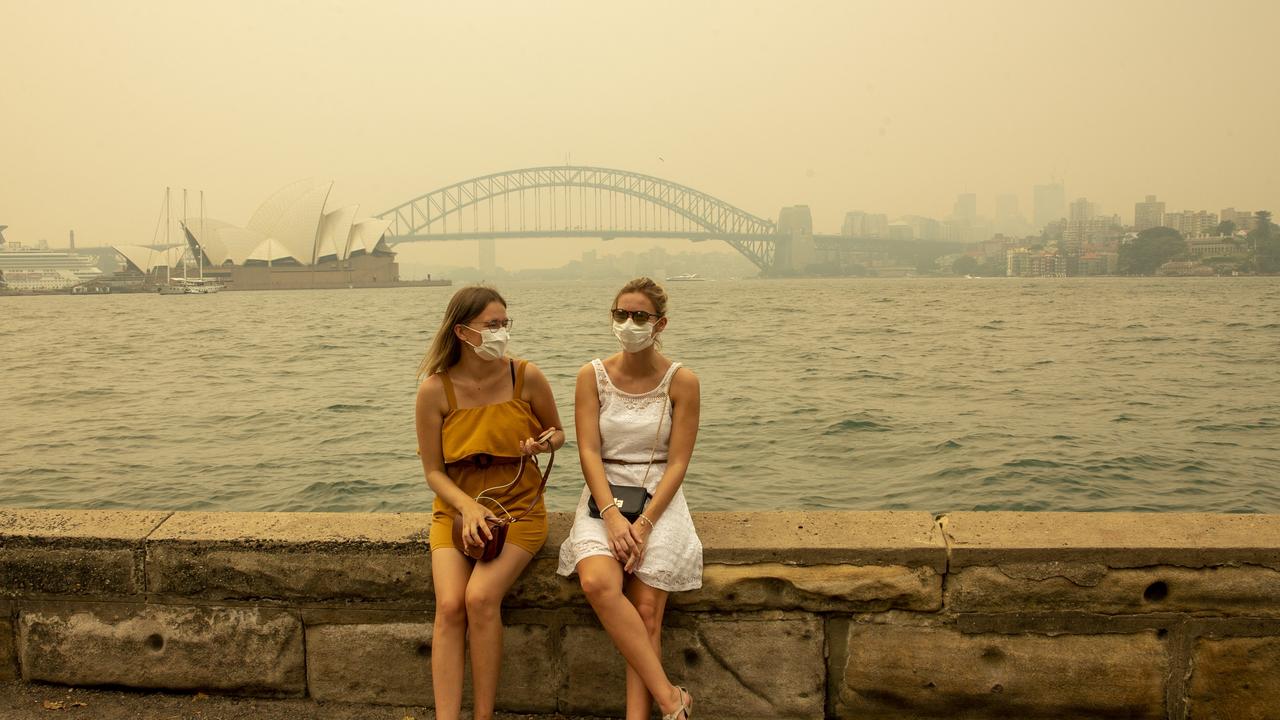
x=868 y=106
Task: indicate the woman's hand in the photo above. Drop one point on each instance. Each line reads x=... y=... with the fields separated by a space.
x=620 y=539
x=640 y=532
x=532 y=446
x=475 y=524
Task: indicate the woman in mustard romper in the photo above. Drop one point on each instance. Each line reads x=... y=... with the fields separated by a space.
x=477 y=415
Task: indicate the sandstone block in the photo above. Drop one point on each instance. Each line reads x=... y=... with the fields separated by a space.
x=1095 y=588
x=250 y=651
x=595 y=674
x=390 y=664
x=297 y=557
x=1235 y=679
x=8 y=653
x=73 y=552
x=540 y=587
x=1118 y=540
x=824 y=537
x=745 y=668
x=773 y=586
x=887 y=671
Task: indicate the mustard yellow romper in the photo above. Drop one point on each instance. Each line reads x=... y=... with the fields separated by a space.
x=481 y=447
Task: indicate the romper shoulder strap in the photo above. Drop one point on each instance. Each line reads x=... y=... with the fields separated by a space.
x=448 y=390
x=517 y=379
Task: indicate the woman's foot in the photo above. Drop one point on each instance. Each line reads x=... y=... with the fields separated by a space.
x=684 y=705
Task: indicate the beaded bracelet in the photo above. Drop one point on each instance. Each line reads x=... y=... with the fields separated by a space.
x=646 y=520
x=609 y=507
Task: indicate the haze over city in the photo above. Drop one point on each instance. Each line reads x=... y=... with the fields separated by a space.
x=880 y=107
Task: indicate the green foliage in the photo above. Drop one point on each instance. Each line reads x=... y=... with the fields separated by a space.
x=993 y=268
x=1226 y=227
x=1266 y=243
x=964 y=265
x=1152 y=248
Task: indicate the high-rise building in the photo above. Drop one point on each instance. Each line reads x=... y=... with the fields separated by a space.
x=1192 y=223
x=1050 y=203
x=1008 y=220
x=966 y=208
x=1243 y=219
x=865 y=225
x=1082 y=210
x=924 y=228
x=1097 y=230
x=1148 y=214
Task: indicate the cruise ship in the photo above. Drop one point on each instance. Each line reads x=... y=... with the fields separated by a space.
x=30 y=269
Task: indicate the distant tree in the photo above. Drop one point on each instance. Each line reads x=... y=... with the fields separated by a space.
x=964 y=265
x=1266 y=243
x=1152 y=248
x=993 y=268
x=926 y=264
x=1226 y=227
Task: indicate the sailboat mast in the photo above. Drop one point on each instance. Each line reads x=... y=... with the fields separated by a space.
x=167 y=221
x=183 y=223
x=199 y=249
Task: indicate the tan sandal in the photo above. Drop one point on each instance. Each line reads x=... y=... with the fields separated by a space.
x=686 y=706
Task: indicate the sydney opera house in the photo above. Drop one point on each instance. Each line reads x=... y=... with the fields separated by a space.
x=292 y=241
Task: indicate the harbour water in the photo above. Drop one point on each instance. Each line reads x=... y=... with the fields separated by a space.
x=929 y=394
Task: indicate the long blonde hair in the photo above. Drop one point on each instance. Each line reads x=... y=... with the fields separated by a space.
x=446 y=349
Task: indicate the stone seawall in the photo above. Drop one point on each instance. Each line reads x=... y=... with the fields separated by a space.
x=802 y=614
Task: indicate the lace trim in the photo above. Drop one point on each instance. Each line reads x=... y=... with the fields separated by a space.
x=654 y=574
x=608 y=392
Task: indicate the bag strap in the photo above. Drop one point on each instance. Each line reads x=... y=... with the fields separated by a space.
x=546 y=474
x=656 y=437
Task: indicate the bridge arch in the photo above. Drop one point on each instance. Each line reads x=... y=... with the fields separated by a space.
x=608 y=203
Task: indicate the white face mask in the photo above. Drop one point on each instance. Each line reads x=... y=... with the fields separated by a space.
x=493 y=343
x=633 y=337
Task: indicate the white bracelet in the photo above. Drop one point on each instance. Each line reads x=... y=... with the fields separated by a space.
x=646 y=520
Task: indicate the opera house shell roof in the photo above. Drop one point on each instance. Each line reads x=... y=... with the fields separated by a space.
x=290 y=227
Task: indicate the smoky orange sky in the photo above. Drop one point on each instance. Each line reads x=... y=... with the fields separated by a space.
x=890 y=107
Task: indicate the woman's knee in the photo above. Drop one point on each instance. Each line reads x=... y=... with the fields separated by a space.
x=451 y=610
x=598 y=585
x=482 y=602
x=650 y=613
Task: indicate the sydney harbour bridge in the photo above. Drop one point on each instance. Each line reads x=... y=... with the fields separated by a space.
x=568 y=201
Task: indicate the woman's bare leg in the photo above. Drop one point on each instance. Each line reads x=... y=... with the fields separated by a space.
x=601 y=579
x=650 y=603
x=449 y=574
x=489 y=583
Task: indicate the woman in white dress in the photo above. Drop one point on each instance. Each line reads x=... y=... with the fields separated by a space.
x=637 y=420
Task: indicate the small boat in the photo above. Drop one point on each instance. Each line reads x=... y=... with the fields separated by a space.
x=190 y=286
x=687 y=277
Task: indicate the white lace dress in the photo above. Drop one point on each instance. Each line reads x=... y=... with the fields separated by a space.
x=628 y=425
